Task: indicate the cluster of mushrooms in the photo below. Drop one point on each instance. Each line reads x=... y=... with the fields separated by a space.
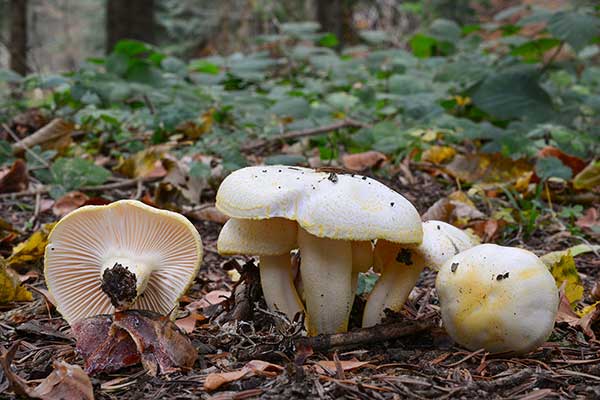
x=130 y=255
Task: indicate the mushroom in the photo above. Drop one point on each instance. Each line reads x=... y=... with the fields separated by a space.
x=401 y=266
x=122 y=255
x=501 y=299
x=333 y=212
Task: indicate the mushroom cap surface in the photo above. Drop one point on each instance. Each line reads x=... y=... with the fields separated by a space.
x=269 y=237
x=442 y=241
x=497 y=298
x=325 y=204
x=90 y=237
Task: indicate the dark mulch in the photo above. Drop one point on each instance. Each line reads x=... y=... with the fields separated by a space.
x=424 y=365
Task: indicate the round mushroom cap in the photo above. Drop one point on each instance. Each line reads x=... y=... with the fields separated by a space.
x=502 y=299
x=86 y=239
x=269 y=237
x=325 y=204
x=442 y=241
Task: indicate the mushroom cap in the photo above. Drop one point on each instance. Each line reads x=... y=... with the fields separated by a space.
x=441 y=241
x=325 y=204
x=497 y=298
x=86 y=239
x=269 y=237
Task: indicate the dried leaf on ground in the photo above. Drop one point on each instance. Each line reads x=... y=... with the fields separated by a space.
x=565 y=273
x=362 y=161
x=438 y=154
x=55 y=135
x=144 y=164
x=326 y=366
x=554 y=256
x=133 y=336
x=27 y=254
x=69 y=202
x=15 y=178
x=188 y=324
x=589 y=178
x=10 y=286
x=576 y=164
x=487 y=168
x=209 y=299
x=189 y=182
x=255 y=367
x=457 y=209
x=586 y=318
x=590 y=219
x=66 y=382
x=210 y=213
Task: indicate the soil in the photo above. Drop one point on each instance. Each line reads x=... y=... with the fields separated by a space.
x=425 y=365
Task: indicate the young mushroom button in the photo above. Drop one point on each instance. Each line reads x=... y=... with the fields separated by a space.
x=122 y=255
x=502 y=299
x=335 y=214
x=401 y=266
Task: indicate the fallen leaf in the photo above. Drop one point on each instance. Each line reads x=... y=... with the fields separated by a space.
x=362 y=161
x=195 y=129
x=109 y=343
x=488 y=230
x=10 y=286
x=69 y=202
x=589 y=317
x=65 y=382
x=252 y=368
x=438 y=154
x=565 y=272
x=14 y=179
x=586 y=318
x=209 y=299
x=589 y=219
x=576 y=164
x=188 y=324
x=565 y=311
x=554 y=256
x=27 y=254
x=326 y=366
x=144 y=164
x=55 y=135
x=589 y=178
x=456 y=209
x=209 y=214
x=181 y=176
x=487 y=168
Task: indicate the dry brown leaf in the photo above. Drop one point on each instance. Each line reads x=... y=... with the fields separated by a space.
x=66 y=382
x=144 y=164
x=15 y=178
x=178 y=176
x=69 y=202
x=362 y=161
x=576 y=164
x=210 y=213
x=438 y=154
x=590 y=218
x=456 y=209
x=326 y=366
x=487 y=168
x=567 y=315
x=255 y=367
x=209 y=299
x=188 y=324
x=55 y=135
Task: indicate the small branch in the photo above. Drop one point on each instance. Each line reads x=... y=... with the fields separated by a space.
x=347 y=123
x=109 y=186
x=375 y=334
x=26 y=148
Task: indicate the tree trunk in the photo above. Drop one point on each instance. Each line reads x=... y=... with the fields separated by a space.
x=129 y=19
x=18 y=36
x=336 y=16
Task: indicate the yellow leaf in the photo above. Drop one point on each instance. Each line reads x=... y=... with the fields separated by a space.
x=565 y=271
x=10 y=287
x=143 y=164
x=462 y=101
x=586 y=310
x=438 y=154
x=589 y=177
x=487 y=168
x=29 y=252
x=554 y=256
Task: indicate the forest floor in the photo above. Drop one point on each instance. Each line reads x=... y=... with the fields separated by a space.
x=425 y=364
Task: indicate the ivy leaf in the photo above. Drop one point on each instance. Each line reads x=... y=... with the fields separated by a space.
x=68 y=174
x=552 y=167
x=575 y=28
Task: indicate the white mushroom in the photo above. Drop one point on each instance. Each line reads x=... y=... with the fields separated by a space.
x=502 y=299
x=125 y=254
x=333 y=211
x=401 y=266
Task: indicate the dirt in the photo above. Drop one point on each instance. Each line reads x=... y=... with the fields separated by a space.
x=424 y=365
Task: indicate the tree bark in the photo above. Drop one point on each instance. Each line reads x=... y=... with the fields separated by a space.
x=129 y=19
x=336 y=16
x=18 y=36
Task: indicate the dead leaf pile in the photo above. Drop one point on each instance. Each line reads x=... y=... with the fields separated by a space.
x=28 y=254
x=10 y=286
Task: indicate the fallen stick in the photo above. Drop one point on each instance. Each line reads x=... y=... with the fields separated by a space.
x=372 y=334
x=347 y=123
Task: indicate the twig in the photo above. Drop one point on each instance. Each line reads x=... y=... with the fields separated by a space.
x=347 y=123
x=108 y=186
x=373 y=334
x=26 y=148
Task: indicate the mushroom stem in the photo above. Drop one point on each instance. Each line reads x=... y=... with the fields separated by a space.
x=122 y=280
x=278 y=285
x=392 y=289
x=326 y=270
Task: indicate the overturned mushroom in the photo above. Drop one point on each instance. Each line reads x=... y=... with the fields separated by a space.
x=401 y=266
x=502 y=299
x=334 y=212
x=122 y=255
